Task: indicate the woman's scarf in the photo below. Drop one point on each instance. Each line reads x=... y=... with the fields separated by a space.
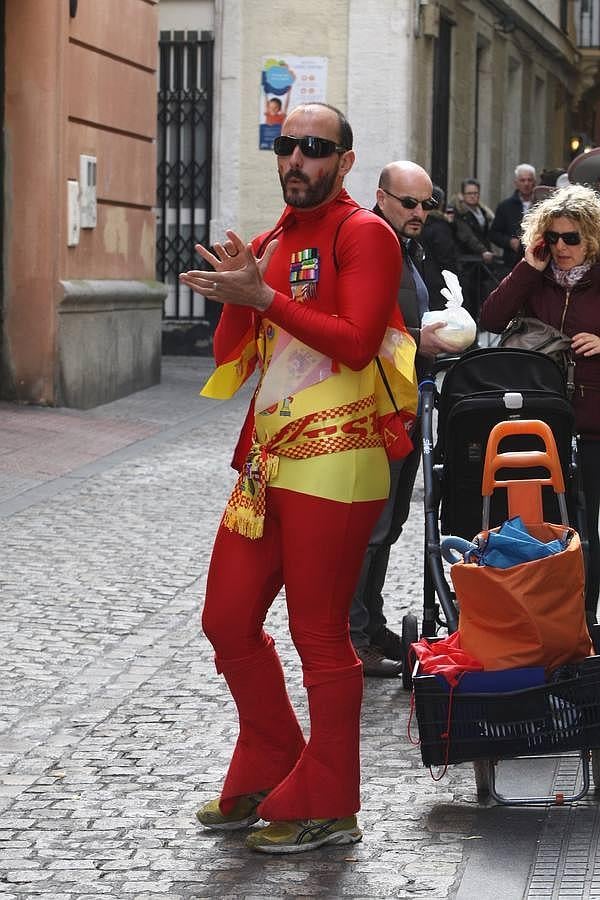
x=568 y=277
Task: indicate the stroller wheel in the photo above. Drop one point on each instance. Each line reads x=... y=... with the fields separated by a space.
x=483 y=780
x=410 y=634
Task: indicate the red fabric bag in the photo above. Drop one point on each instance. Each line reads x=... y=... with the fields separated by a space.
x=445 y=657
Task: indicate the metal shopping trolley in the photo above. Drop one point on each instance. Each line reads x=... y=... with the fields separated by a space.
x=561 y=714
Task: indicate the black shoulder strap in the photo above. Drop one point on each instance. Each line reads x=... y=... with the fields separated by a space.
x=387 y=385
x=337 y=231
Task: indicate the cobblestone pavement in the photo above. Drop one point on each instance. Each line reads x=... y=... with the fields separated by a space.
x=114 y=726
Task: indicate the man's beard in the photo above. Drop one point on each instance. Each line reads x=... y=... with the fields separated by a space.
x=416 y=227
x=313 y=195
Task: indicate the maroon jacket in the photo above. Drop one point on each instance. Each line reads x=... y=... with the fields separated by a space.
x=537 y=294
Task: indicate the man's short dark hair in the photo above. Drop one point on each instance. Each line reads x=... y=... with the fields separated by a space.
x=468 y=181
x=346 y=136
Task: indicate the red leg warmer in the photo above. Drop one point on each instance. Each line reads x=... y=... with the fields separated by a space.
x=270 y=739
x=325 y=781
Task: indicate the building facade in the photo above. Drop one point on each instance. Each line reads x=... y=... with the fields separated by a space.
x=466 y=88
x=135 y=128
x=586 y=124
x=81 y=310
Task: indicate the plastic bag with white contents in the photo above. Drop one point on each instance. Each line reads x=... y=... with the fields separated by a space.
x=460 y=329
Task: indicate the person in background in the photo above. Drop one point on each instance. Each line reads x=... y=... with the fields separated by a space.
x=404 y=200
x=472 y=221
x=313 y=480
x=505 y=230
x=558 y=282
x=440 y=250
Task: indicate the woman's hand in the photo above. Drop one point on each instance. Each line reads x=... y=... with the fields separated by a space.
x=237 y=276
x=585 y=344
x=538 y=255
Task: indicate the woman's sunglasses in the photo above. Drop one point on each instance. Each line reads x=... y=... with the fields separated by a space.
x=571 y=238
x=311 y=147
x=412 y=203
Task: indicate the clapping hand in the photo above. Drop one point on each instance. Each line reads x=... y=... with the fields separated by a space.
x=238 y=274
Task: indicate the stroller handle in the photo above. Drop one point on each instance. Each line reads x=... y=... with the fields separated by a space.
x=524 y=495
x=522 y=459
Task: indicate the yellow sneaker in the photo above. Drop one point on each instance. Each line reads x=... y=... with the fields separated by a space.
x=242 y=815
x=307 y=834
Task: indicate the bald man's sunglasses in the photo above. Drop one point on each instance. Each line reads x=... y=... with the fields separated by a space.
x=412 y=203
x=571 y=238
x=311 y=147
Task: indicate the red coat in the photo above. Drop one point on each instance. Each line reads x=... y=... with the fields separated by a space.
x=537 y=294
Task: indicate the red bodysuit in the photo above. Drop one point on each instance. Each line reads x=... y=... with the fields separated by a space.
x=316 y=344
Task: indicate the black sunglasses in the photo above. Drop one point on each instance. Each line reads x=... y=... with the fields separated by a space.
x=310 y=146
x=571 y=238
x=411 y=203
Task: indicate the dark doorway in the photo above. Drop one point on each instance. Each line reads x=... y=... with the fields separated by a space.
x=184 y=143
x=441 y=105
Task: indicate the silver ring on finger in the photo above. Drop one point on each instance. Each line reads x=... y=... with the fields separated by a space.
x=214 y=285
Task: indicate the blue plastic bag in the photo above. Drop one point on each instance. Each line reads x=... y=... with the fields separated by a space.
x=509 y=546
x=513 y=544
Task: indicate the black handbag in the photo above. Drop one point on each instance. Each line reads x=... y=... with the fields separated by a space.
x=528 y=333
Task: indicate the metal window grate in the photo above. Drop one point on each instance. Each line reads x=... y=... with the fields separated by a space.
x=184 y=144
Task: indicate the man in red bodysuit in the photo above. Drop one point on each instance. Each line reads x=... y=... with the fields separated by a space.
x=312 y=302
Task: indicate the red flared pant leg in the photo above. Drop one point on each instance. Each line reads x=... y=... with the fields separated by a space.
x=323 y=548
x=243 y=579
x=268 y=746
x=326 y=779
x=317 y=547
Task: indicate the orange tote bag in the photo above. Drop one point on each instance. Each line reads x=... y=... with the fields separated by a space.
x=531 y=614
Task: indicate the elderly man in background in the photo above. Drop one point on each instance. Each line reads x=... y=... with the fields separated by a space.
x=505 y=230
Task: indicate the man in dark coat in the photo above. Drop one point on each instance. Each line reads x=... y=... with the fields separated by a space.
x=404 y=199
x=506 y=227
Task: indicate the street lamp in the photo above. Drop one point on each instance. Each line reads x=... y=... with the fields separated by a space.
x=579 y=143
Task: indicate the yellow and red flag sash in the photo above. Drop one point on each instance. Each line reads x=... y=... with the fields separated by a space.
x=352 y=426
x=237 y=367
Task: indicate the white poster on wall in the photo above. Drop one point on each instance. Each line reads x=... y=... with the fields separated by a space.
x=284 y=83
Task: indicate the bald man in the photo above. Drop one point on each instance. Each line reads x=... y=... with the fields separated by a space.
x=313 y=481
x=404 y=199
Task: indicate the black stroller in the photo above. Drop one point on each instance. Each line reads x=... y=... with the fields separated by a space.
x=479 y=390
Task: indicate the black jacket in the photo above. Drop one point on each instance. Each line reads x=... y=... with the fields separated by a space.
x=440 y=253
x=407 y=294
x=507 y=225
x=470 y=235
